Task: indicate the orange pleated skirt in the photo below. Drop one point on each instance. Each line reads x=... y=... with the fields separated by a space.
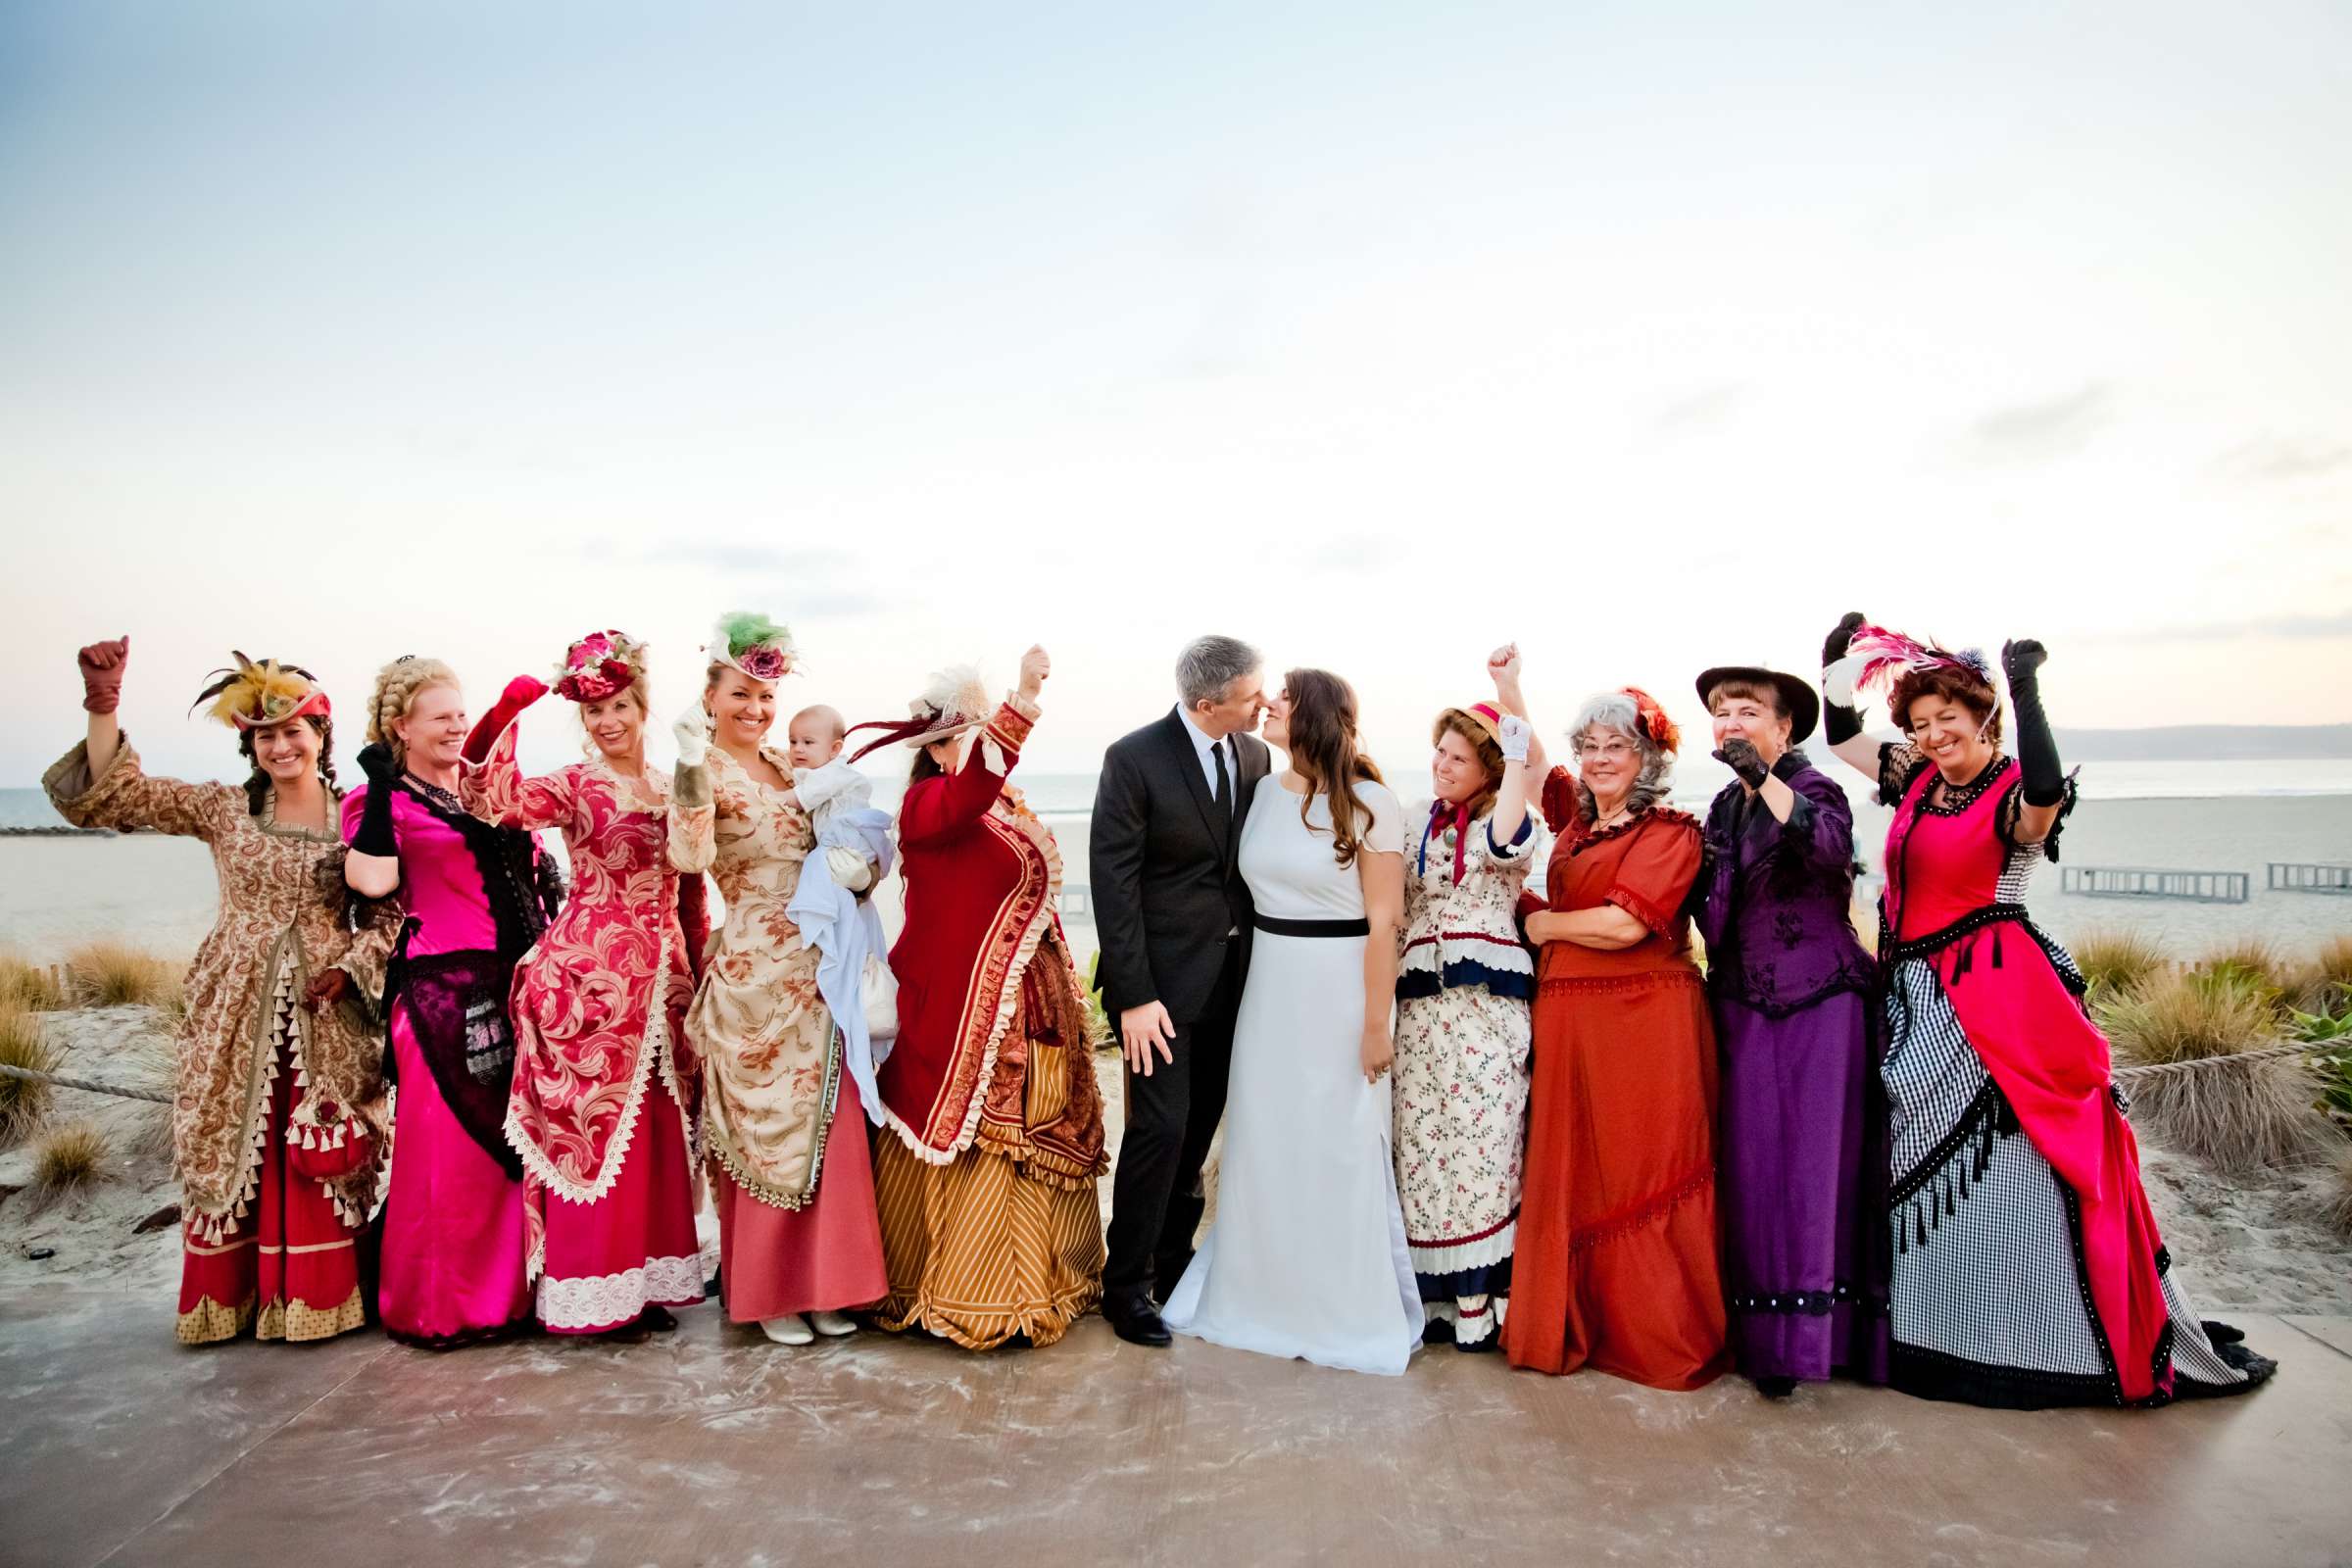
x=1616 y=1268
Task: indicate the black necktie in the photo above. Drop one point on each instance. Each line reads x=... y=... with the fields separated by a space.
x=1216 y=749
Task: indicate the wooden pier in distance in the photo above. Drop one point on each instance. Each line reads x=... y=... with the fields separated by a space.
x=2150 y=882
x=2310 y=876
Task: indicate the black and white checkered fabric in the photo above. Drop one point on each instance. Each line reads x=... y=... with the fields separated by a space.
x=1995 y=1281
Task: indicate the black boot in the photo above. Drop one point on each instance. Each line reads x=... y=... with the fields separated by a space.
x=1134 y=1317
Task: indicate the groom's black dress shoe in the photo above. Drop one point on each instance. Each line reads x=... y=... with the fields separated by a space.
x=1136 y=1320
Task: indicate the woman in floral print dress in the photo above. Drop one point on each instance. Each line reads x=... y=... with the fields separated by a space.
x=791 y=1175
x=605 y=1085
x=1463 y=990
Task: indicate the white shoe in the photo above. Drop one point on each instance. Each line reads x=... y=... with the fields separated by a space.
x=790 y=1329
x=833 y=1325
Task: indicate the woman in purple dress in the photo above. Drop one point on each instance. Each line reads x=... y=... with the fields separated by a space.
x=1789 y=984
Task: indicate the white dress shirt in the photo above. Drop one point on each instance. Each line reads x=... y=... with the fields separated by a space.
x=1206 y=749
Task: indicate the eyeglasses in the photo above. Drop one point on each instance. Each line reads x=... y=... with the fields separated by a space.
x=1608 y=751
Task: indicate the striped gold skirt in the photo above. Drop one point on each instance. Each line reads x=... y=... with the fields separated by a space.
x=980 y=1249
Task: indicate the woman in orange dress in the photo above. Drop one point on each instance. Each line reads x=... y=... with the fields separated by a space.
x=1616 y=1263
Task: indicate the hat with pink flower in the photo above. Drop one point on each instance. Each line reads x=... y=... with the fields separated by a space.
x=752 y=643
x=600 y=664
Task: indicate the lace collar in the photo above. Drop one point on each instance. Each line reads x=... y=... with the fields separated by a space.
x=1958 y=798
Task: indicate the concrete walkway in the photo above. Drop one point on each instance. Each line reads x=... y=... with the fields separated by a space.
x=712 y=1447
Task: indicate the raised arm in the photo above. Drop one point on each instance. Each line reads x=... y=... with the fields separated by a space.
x=490 y=782
x=692 y=812
x=1517 y=739
x=1504 y=667
x=102 y=668
x=938 y=809
x=2044 y=776
x=99 y=783
x=1841 y=721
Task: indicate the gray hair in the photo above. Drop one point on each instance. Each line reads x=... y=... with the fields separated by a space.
x=1616 y=713
x=1210 y=665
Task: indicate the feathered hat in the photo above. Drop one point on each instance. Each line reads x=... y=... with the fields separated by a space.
x=597 y=666
x=1877 y=654
x=953 y=700
x=752 y=643
x=251 y=696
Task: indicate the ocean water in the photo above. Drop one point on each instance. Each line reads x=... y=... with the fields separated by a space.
x=2220 y=815
x=1065 y=795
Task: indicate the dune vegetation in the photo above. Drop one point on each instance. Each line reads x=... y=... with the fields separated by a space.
x=116 y=974
x=23 y=1101
x=68 y=1159
x=29 y=985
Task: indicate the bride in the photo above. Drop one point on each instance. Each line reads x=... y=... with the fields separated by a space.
x=1307 y=1256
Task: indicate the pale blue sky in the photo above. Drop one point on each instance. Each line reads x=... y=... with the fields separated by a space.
x=1650 y=336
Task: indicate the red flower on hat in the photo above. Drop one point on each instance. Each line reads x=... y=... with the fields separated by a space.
x=1662 y=730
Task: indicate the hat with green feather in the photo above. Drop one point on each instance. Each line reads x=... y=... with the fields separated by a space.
x=752 y=643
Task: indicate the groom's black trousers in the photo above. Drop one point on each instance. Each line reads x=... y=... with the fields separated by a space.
x=1172 y=1117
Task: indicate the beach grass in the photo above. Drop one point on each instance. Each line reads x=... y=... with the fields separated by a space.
x=2119 y=963
x=149 y=1063
x=67 y=1160
x=2251 y=964
x=23 y=1103
x=2322 y=982
x=2238 y=1117
x=29 y=985
x=116 y=974
x=2335 y=1201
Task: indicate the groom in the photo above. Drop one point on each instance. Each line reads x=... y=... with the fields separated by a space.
x=1173 y=918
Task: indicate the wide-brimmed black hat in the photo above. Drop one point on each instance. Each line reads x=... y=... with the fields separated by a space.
x=1796 y=694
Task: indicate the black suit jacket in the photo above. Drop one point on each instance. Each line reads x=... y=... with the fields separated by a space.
x=1164 y=870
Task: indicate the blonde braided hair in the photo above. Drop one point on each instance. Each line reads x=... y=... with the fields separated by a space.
x=397 y=686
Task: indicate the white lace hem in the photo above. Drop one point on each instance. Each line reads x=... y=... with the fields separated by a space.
x=1484 y=1252
x=609 y=1300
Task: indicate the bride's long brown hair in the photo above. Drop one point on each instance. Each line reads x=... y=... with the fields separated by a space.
x=1323 y=752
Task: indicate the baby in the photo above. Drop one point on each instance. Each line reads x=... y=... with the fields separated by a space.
x=830 y=904
x=829 y=790
x=825 y=787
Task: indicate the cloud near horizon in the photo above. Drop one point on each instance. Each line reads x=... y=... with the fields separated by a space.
x=2033 y=432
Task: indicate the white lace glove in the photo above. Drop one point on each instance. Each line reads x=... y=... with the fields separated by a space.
x=853 y=872
x=692 y=731
x=1512 y=735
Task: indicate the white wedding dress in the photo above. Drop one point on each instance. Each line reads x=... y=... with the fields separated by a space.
x=1306 y=1256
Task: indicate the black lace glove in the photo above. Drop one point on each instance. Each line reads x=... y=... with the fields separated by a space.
x=1839 y=722
x=2037 y=746
x=375 y=819
x=1740 y=755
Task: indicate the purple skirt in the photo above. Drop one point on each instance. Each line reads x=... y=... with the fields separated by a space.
x=1795 y=1160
